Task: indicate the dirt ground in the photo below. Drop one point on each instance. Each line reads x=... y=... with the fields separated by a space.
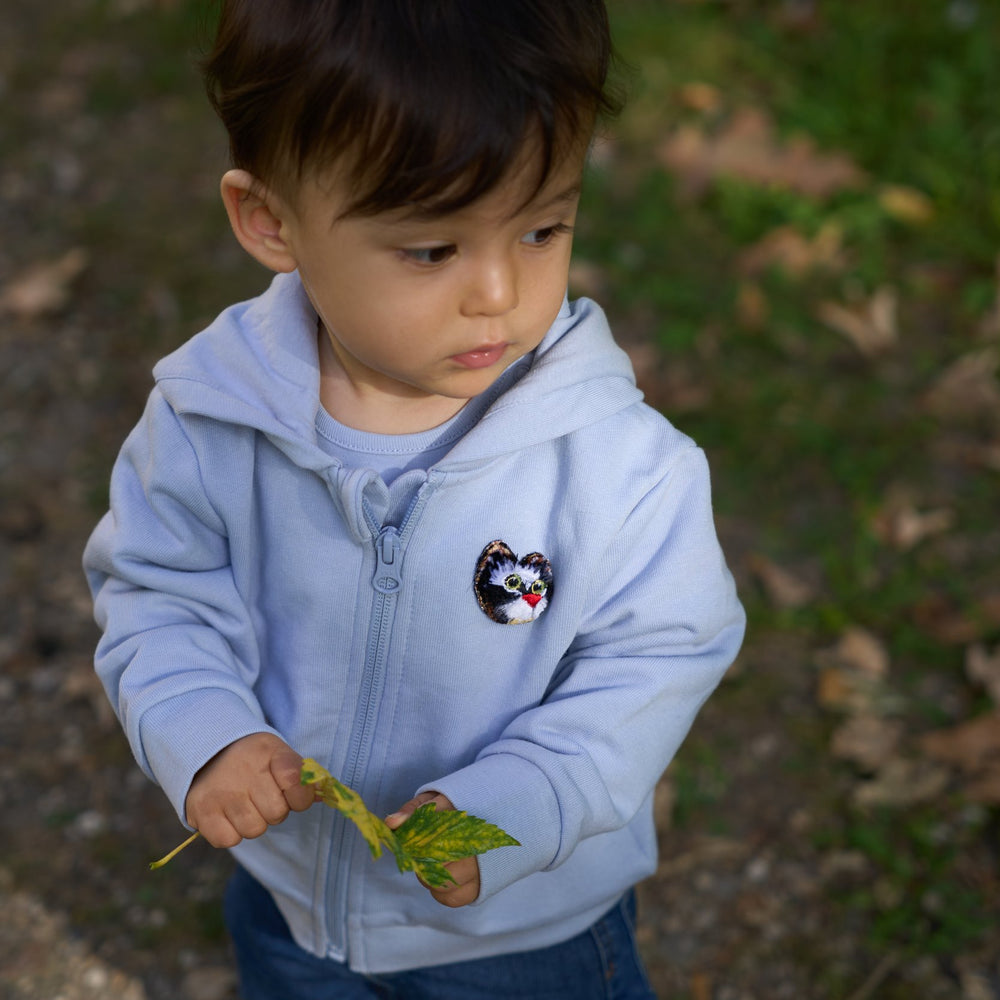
x=745 y=904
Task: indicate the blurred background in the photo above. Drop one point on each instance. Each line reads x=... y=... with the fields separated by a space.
x=795 y=228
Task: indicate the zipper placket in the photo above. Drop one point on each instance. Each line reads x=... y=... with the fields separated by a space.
x=387 y=582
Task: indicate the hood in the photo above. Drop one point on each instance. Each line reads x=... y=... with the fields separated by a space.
x=256 y=365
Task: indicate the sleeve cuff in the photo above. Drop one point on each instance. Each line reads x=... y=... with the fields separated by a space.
x=181 y=735
x=515 y=795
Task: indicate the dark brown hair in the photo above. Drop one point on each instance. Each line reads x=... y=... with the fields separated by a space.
x=421 y=101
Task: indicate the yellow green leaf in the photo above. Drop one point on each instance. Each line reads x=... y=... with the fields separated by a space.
x=424 y=843
x=348 y=802
x=433 y=873
x=449 y=834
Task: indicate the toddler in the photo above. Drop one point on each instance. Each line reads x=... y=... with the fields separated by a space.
x=407 y=514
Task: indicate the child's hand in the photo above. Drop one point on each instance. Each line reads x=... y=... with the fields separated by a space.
x=464 y=872
x=250 y=785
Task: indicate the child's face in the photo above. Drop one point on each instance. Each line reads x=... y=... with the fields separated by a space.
x=422 y=314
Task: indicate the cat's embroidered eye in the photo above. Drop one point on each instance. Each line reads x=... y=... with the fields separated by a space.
x=513 y=583
x=539 y=587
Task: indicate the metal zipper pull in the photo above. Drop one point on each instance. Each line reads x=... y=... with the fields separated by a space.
x=387 y=579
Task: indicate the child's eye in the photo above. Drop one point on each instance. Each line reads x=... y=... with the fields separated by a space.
x=545 y=235
x=429 y=256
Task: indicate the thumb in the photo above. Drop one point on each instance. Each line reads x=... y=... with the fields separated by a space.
x=286 y=769
x=286 y=766
x=405 y=811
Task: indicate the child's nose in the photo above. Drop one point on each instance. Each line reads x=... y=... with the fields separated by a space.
x=492 y=288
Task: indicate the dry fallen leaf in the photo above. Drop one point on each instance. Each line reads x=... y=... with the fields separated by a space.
x=983 y=668
x=793 y=253
x=752 y=308
x=938 y=617
x=844 y=690
x=973 y=747
x=867 y=740
x=976 y=984
x=701 y=97
x=871 y=326
x=860 y=649
x=906 y=204
x=900 y=525
x=835 y=690
x=853 y=674
x=903 y=782
x=746 y=146
x=783 y=588
x=43 y=288
x=968 y=387
x=969 y=745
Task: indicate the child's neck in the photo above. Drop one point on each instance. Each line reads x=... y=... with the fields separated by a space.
x=377 y=409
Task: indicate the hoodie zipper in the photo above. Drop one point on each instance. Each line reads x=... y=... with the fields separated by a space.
x=387 y=582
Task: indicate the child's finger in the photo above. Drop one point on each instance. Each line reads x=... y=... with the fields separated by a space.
x=466 y=887
x=405 y=811
x=219 y=832
x=270 y=803
x=246 y=818
x=286 y=769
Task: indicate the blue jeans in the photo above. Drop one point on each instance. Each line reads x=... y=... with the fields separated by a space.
x=602 y=963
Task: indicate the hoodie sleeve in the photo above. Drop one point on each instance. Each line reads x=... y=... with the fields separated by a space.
x=177 y=656
x=665 y=625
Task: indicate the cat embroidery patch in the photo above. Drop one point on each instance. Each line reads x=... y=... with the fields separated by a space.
x=510 y=590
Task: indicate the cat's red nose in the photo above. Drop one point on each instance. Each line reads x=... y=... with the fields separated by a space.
x=531 y=599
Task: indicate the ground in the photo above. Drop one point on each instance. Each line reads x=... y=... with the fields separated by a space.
x=830 y=829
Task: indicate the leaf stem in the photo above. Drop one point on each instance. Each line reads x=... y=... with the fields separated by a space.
x=153 y=865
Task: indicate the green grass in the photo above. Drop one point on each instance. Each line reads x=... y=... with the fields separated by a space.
x=799 y=419
x=916 y=903
x=805 y=436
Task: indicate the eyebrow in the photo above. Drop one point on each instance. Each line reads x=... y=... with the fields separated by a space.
x=569 y=194
x=562 y=198
x=417 y=212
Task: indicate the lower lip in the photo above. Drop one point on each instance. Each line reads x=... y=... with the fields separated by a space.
x=480 y=359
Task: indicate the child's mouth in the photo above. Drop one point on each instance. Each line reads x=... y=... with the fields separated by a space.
x=481 y=357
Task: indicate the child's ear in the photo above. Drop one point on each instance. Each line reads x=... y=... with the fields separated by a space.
x=257 y=216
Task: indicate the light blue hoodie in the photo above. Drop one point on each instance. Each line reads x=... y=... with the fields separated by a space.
x=245 y=583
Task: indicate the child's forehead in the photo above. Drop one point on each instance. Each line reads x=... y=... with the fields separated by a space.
x=530 y=186
x=507 y=202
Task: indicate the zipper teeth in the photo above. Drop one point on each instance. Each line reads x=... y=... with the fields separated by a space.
x=382 y=615
x=373 y=657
